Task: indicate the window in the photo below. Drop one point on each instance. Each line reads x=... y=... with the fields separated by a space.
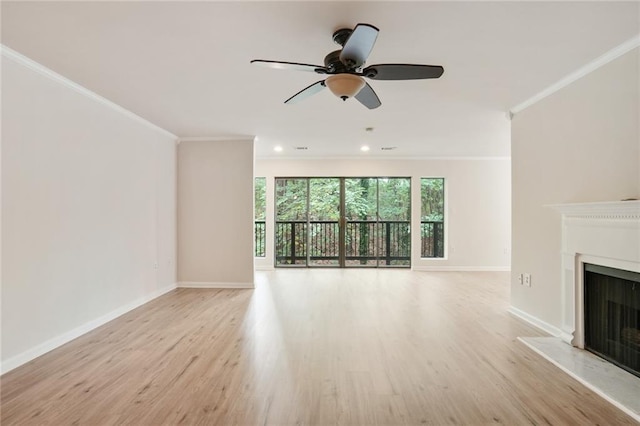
x=260 y=214
x=432 y=217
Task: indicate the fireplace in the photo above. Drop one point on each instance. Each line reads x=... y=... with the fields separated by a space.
x=612 y=315
x=600 y=284
x=606 y=234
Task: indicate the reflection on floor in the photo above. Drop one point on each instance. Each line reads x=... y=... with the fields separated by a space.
x=609 y=381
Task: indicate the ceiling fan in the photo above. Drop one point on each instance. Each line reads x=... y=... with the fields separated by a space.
x=345 y=72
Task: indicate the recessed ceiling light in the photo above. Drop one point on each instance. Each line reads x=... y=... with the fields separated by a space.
x=364 y=148
x=277 y=148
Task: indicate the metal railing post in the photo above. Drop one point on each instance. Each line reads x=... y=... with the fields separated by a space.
x=293 y=243
x=436 y=240
x=388 y=242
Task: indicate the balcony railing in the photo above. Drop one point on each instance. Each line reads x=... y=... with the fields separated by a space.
x=392 y=238
x=431 y=239
x=260 y=236
x=367 y=243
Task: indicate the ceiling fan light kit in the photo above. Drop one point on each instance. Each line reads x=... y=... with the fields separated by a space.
x=345 y=72
x=344 y=86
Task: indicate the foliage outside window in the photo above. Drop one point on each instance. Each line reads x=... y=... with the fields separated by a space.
x=432 y=217
x=260 y=215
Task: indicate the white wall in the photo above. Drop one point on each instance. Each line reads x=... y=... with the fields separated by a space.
x=215 y=213
x=88 y=210
x=478 y=216
x=580 y=144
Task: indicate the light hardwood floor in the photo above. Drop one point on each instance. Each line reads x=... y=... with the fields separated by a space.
x=309 y=347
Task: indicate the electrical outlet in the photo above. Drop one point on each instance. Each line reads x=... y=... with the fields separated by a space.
x=520 y=279
x=527 y=279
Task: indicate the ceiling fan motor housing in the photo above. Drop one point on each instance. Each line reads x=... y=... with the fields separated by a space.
x=333 y=63
x=342 y=35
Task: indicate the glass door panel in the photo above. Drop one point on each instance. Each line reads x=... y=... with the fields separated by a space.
x=394 y=215
x=324 y=222
x=291 y=221
x=360 y=219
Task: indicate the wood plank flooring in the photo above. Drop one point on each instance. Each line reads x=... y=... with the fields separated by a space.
x=316 y=347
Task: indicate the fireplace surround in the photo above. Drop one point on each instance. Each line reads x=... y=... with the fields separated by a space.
x=606 y=234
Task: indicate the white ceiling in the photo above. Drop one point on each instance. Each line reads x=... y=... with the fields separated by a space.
x=184 y=66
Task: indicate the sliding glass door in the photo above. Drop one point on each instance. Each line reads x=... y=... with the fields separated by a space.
x=343 y=222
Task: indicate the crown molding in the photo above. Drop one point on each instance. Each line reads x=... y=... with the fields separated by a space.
x=245 y=138
x=614 y=53
x=54 y=76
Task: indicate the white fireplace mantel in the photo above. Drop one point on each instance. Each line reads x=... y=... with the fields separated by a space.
x=604 y=210
x=602 y=233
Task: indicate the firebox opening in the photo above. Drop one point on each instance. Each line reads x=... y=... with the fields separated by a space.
x=612 y=315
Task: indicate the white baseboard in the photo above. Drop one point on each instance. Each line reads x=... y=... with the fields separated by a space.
x=60 y=340
x=536 y=322
x=265 y=268
x=197 y=284
x=566 y=337
x=444 y=268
